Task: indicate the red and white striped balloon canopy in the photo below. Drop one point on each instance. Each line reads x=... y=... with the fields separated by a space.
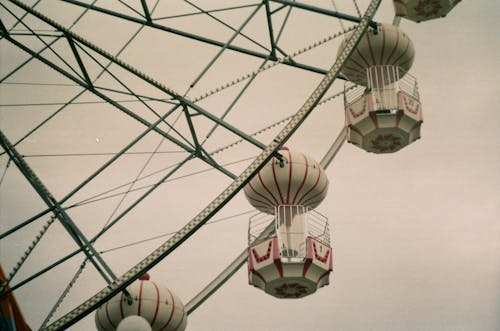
x=299 y=180
x=159 y=306
x=388 y=46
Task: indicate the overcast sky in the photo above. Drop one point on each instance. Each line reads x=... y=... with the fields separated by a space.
x=415 y=234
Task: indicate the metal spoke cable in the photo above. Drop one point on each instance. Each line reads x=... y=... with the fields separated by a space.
x=335 y=8
x=135 y=243
x=131 y=8
x=98 y=154
x=5 y=171
x=37 y=84
x=272 y=64
x=100 y=197
x=80 y=103
x=357 y=7
x=132 y=184
x=208 y=11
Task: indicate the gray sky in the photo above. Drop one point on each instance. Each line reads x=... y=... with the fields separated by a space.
x=416 y=236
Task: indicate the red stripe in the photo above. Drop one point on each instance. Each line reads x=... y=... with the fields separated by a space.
x=362 y=58
x=172 y=312
x=395 y=46
x=276 y=181
x=352 y=61
x=383 y=47
x=109 y=317
x=265 y=187
x=258 y=203
x=312 y=188
x=289 y=177
x=402 y=54
x=262 y=196
x=140 y=299
x=303 y=180
x=260 y=259
x=370 y=48
x=157 y=303
x=311 y=199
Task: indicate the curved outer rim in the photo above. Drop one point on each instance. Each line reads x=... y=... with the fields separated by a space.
x=192 y=226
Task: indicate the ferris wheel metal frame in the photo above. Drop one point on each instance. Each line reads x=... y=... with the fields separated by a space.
x=194 y=148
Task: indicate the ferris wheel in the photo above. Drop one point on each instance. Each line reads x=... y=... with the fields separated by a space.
x=193 y=100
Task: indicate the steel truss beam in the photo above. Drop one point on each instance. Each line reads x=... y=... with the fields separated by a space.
x=247 y=51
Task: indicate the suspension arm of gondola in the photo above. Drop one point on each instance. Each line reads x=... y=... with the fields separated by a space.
x=59 y=212
x=185 y=34
x=323 y=11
